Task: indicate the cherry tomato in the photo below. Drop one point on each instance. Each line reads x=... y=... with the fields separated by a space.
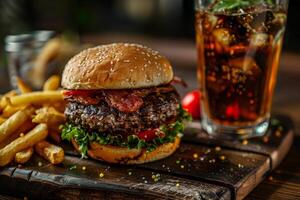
x=191 y=103
x=150 y=134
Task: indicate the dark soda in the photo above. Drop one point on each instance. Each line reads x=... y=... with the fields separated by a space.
x=238 y=56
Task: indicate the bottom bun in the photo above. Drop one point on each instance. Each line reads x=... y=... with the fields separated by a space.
x=114 y=154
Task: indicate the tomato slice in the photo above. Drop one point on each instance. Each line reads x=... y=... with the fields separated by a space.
x=150 y=134
x=191 y=103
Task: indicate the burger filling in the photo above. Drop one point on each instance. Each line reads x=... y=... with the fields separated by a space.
x=137 y=118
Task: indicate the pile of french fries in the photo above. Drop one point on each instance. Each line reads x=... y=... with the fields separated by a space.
x=28 y=119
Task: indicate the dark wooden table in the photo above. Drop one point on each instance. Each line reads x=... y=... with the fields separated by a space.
x=284 y=182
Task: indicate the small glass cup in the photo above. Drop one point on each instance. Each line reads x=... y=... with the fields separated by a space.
x=22 y=50
x=239 y=45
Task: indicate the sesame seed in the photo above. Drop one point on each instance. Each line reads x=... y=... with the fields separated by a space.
x=101 y=175
x=265 y=139
x=217 y=148
x=83 y=168
x=207 y=151
x=245 y=142
x=278 y=133
x=222 y=157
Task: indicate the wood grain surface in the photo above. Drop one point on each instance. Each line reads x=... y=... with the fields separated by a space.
x=200 y=169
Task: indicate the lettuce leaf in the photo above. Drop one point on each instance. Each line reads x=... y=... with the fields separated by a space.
x=227 y=5
x=83 y=137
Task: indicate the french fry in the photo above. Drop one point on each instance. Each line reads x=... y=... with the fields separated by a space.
x=55 y=136
x=36 y=135
x=25 y=127
x=22 y=86
x=49 y=116
x=52 y=83
x=23 y=156
x=59 y=106
x=10 y=110
x=4 y=98
x=2 y=119
x=14 y=122
x=36 y=98
x=50 y=152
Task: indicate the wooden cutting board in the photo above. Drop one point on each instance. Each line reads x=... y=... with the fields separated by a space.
x=202 y=168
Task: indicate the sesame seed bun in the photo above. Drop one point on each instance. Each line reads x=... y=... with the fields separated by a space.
x=123 y=155
x=117 y=66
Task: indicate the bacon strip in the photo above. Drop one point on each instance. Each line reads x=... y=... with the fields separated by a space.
x=123 y=100
x=178 y=80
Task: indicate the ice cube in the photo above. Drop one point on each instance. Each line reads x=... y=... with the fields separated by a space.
x=211 y=20
x=223 y=36
x=258 y=39
x=279 y=18
x=246 y=65
x=215 y=85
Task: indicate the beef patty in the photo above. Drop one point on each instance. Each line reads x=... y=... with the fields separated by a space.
x=158 y=109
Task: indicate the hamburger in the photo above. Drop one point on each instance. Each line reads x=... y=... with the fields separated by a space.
x=121 y=104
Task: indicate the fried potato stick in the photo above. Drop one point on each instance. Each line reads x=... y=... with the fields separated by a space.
x=50 y=152
x=36 y=98
x=14 y=122
x=36 y=135
x=23 y=156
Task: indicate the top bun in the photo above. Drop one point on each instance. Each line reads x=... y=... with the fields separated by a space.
x=117 y=66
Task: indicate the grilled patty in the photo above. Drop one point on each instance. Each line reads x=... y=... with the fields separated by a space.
x=156 y=110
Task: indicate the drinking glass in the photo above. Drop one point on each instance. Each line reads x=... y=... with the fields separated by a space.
x=239 y=45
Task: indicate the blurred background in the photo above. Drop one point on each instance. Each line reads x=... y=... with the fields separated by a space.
x=164 y=25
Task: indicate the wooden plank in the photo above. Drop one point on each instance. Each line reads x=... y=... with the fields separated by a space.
x=201 y=168
x=284 y=182
x=278 y=186
x=48 y=180
x=240 y=171
x=271 y=148
x=275 y=144
x=2 y=197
